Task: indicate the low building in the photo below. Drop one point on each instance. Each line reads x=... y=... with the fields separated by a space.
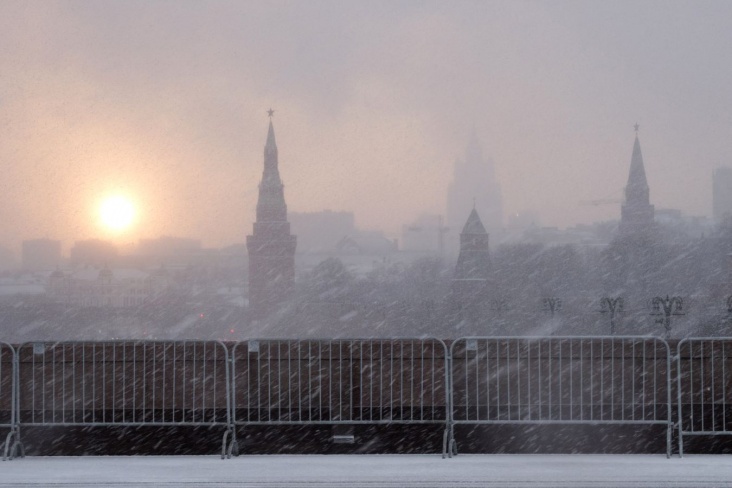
x=93 y=287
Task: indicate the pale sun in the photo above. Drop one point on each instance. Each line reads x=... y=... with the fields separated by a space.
x=117 y=213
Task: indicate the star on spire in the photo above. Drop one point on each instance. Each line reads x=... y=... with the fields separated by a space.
x=636 y=127
x=270 y=112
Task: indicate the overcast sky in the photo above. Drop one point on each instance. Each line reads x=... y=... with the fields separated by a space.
x=165 y=101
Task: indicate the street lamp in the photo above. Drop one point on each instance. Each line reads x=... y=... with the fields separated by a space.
x=665 y=308
x=552 y=305
x=611 y=306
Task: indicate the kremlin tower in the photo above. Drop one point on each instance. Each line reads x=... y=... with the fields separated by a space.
x=637 y=214
x=271 y=247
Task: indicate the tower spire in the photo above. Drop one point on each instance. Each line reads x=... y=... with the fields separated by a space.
x=271 y=247
x=271 y=205
x=473 y=226
x=270 y=149
x=637 y=189
x=637 y=213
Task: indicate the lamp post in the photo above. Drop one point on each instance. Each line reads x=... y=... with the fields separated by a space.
x=611 y=306
x=552 y=305
x=665 y=308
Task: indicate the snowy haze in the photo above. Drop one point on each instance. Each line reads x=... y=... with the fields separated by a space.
x=165 y=102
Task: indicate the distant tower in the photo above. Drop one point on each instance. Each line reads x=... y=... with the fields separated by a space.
x=271 y=247
x=722 y=193
x=474 y=185
x=470 y=286
x=637 y=214
x=473 y=264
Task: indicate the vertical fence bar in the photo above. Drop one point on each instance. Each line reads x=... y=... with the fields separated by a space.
x=8 y=400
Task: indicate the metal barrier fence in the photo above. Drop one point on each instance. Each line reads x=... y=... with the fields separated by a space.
x=332 y=382
x=8 y=398
x=478 y=380
x=120 y=383
x=560 y=380
x=704 y=385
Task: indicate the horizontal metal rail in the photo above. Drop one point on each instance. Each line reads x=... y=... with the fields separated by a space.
x=339 y=381
x=560 y=380
x=704 y=387
x=124 y=383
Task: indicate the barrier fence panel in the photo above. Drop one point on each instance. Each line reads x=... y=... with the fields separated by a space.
x=121 y=383
x=8 y=399
x=560 y=380
x=346 y=381
x=704 y=376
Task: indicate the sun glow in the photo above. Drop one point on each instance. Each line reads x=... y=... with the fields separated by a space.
x=117 y=213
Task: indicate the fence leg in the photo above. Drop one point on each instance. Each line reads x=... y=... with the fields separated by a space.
x=227 y=432
x=233 y=448
x=453 y=444
x=681 y=441
x=7 y=445
x=13 y=446
x=18 y=448
x=449 y=447
x=669 y=429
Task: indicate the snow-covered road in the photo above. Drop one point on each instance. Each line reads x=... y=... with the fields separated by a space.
x=369 y=471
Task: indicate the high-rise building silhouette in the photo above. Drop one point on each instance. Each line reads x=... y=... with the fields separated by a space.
x=474 y=185
x=271 y=247
x=637 y=213
x=722 y=193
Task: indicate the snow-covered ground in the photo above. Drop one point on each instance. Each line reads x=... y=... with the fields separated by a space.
x=372 y=471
